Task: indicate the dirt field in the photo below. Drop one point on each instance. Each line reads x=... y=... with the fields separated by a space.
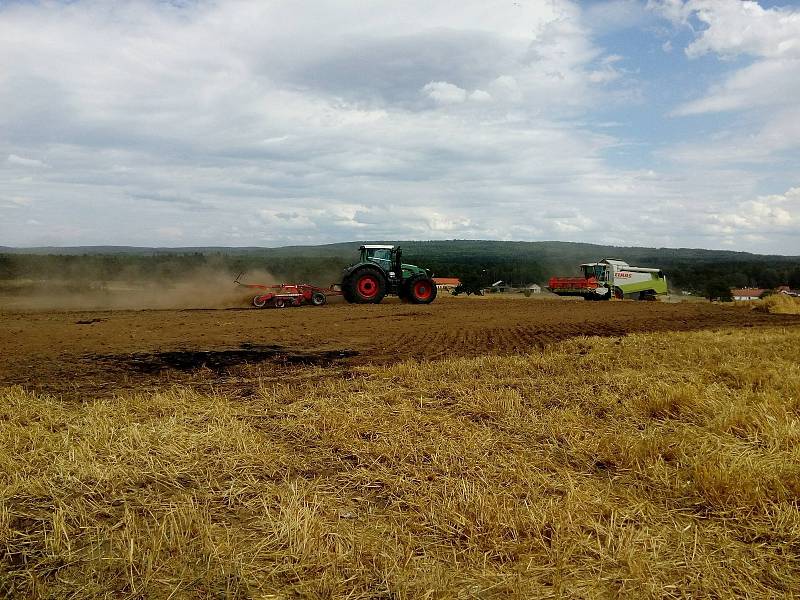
x=74 y=352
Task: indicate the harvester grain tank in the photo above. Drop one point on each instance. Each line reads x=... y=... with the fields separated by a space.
x=611 y=278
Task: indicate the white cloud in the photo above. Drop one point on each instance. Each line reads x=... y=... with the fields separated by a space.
x=771 y=36
x=764 y=83
x=480 y=96
x=266 y=123
x=757 y=96
x=764 y=216
x=444 y=92
x=313 y=124
x=607 y=72
x=778 y=135
x=744 y=27
x=21 y=161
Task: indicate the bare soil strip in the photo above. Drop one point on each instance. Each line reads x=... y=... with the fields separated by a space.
x=75 y=352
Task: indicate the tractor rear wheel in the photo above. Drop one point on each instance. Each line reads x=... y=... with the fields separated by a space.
x=366 y=285
x=420 y=290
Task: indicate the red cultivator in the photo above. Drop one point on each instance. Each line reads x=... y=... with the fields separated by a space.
x=288 y=294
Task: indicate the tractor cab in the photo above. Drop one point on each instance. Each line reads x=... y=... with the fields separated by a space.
x=383 y=256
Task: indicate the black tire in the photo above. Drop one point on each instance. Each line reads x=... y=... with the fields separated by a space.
x=258 y=302
x=345 y=287
x=365 y=285
x=279 y=303
x=318 y=299
x=420 y=289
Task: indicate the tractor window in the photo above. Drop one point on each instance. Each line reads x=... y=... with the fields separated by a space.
x=379 y=255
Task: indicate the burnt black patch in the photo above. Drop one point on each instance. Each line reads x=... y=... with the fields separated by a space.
x=217 y=360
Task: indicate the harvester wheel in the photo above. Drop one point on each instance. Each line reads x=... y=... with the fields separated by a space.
x=259 y=301
x=279 y=303
x=365 y=286
x=619 y=294
x=318 y=299
x=420 y=290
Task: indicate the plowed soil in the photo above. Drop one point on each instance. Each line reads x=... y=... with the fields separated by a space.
x=72 y=353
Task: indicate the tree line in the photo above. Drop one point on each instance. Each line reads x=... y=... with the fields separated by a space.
x=698 y=275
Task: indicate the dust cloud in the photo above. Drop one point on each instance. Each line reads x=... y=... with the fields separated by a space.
x=204 y=288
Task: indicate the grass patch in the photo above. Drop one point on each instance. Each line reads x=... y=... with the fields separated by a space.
x=779 y=304
x=661 y=465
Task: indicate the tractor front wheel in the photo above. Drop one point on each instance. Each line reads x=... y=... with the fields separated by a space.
x=420 y=290
x=365 y=286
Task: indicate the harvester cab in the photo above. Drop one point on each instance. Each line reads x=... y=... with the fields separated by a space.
x=381 y=271
x=597 y=270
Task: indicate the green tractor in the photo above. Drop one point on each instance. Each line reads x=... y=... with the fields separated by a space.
x=380 y=271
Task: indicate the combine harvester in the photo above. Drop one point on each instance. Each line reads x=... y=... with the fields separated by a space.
x=611 y=278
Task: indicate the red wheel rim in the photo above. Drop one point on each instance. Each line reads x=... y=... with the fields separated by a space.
x=422 y=290
x=368 y=286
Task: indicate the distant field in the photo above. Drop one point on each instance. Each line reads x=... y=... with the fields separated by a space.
x=474 y=448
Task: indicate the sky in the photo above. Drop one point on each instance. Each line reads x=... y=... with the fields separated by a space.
x=272 y=122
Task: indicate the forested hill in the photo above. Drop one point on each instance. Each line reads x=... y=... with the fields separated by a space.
x=517 y=262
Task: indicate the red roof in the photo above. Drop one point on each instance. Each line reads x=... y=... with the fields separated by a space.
x=748 y=293
x=446 y=280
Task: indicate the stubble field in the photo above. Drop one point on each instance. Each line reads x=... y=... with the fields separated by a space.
x=473 y=448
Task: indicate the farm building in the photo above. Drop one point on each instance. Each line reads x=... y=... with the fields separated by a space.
x=501 y=287
x=747 y=293
x=447 y=283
